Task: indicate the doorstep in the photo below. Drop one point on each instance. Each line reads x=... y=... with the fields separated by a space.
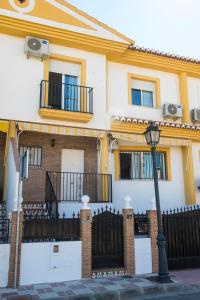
x=116 y=288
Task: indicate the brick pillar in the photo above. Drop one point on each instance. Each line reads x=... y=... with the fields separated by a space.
x=129 y=249
x=153 y=232
x=13 y=240
x=86 y=238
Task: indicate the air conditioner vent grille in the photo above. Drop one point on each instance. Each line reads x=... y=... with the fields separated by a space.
x=34 y=44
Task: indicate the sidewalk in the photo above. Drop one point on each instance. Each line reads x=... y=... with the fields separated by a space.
x=103 y=289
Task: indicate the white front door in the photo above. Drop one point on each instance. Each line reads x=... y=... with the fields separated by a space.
x=72 y=168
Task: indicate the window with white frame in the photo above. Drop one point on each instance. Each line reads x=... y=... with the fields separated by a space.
x=35 y=155
x=143 y=93
x=138 y=165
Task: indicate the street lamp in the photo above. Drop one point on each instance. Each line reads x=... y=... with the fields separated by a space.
x=152 y=136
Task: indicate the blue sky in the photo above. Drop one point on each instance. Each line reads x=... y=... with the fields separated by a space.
x=172 y=26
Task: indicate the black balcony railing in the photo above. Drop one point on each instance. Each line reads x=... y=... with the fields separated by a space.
x=67 y=97
x=70 y=186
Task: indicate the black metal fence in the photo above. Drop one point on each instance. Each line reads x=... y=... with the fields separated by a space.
x=40 y=227
x=141 y=224
x=182 y=232
x=50 y=198
x=4 y=225
x=107 y=239
x=67 y=97
x=71 y=186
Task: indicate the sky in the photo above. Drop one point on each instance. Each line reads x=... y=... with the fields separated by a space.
x=172 y=26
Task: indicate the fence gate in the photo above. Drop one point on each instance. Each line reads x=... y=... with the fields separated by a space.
x=107 y=240
x=182 y=232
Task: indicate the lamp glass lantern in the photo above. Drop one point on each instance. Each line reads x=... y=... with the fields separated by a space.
x=152 y=135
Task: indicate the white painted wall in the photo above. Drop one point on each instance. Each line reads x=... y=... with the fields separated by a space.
x=194 y=92
x=142 y=191
x=12 y=183
x=196 y=165
x=4 y=264
x=20 y=85
x=118 y=91
x=143 y=256
x=40 y=265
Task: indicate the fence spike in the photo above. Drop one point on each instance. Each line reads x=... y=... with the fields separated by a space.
x=106 y=207
x=102 y=209
x=114 y=211
x=78 y=215
x=110 y=209
x=94 y=213
x=73 y=215
x=118 y=212
x=98 y=211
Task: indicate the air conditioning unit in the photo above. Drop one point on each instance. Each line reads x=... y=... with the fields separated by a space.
x=36 y=47
x=172 y=111
x=195 y=115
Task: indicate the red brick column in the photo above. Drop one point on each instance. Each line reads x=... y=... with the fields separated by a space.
x=129 y=249
x=86 y=238
x=13 y=240
x=153 y=231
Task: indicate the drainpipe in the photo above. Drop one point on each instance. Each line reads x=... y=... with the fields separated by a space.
x=19 y=198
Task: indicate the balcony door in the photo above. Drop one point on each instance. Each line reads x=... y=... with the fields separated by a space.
x=71 y=93
x=63 y=92
x=72 y=168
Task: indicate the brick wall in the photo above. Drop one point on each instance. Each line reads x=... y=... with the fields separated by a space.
x=153 y=232
x=2 y=153
x=86 y=238
x=34 y=187
x=13 y=236
x=129 y=253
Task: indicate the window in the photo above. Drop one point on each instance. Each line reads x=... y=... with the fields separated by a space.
x=35 y=155
x=143 y=90
x=138 y=165
x=143 y=98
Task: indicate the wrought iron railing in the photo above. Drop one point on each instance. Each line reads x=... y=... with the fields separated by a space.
x=71 y=186
x=40 y=227
x=68 y=97
x=50 y=198
x=141 y=224
x=4 y=225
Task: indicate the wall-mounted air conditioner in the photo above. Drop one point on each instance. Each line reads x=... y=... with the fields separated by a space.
x=195 y=115
x=172 y=111
x=36 y=47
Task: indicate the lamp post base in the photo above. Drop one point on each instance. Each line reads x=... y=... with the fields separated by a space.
x=163 y=274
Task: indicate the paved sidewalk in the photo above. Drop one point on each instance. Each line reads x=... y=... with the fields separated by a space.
x=114 y=288
x=189 y=276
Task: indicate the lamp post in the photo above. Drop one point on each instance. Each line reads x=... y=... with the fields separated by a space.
x=152 y=136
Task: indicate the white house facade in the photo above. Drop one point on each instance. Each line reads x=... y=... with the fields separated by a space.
x=78 y=95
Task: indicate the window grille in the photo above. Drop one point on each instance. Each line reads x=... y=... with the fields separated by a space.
x=35 y=155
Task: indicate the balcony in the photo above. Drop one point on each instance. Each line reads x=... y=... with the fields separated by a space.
x=70 y=187
x=66 y=102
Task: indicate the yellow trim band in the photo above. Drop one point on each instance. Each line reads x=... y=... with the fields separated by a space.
x=65 y=115
x=188 y=174
x=179 y=133
x=184 y=97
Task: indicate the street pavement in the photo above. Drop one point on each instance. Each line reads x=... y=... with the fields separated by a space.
x=185 y=286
